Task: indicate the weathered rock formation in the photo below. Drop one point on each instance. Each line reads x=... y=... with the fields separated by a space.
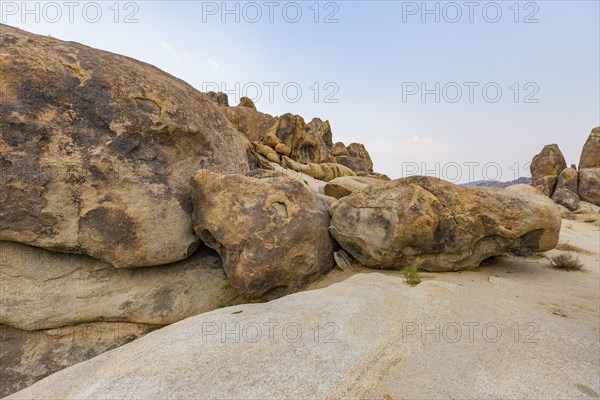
x=290 y=136
x=590 y=154
x=96 y=151
x=271 y=231
x=567 y=186
x=60 y=309
x=45 y=290
x=589 y=185
x=250 y=122
x=323 y=171
x=346 y=185
x=566 y=189
x=450 y=227
x=28 y=356
x=589 y=169
x=546 y=167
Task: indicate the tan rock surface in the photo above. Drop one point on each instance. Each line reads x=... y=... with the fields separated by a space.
x=358 y=159
x=254 y=124
x=306 y=141
x=546 y=167
x=568 y=179
x=40 y=289
x=590 y=154
x=97 y=149
x=324 y=171
x=589 y=185
x=270 y=231
x=346 y=185
x=450 y=227
x=26 y=357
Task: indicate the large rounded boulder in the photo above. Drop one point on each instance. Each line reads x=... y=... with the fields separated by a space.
x=450 y=227
x=270 y=230
x=97 y=149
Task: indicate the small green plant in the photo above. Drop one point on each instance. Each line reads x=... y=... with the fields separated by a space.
x=412 y=272
x=224 y=304
x=566 y=262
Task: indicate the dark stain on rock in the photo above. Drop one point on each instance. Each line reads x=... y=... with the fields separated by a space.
x=163 y=301
x=124 y=144
x=97 y=172
x=528 y=243
x=8 y=40
x=108 y=225
x=125 y=305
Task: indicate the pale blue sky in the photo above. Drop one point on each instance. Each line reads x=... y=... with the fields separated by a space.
x=374 y=51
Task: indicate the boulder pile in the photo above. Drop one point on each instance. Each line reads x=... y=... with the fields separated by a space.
x=129 y=201
x=291 y=142
x=569 y=186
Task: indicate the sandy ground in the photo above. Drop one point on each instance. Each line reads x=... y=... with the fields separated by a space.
x=548 y=324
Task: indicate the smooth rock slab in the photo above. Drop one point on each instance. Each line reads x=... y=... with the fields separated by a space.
x=40 y=289
x=361 y=338
x=450 y=227
x=26 y=357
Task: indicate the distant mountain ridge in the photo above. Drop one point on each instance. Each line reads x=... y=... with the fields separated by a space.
x=498 y=184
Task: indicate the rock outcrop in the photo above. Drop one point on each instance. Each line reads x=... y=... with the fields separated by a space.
x=450 y=227
x=358 y=158
x=45 y=290
x=97 y=149
x=271 y=231
x=589 y=169
x=589 y=185
x=28 y=356
x=346 y=185
x=546 y=167
x=289 y=135
x=254 y=124
x=323 y=171
x=567 y=186
x=368 y=337
x=566 y=189
x=308 y=142
x=590 y=154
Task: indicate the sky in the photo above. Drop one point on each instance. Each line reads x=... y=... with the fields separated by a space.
x=462 y=90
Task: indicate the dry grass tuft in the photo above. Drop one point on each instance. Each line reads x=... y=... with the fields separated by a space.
x=566 y=262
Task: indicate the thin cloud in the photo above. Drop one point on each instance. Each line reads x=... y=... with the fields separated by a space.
x=213 y=63
x=171 y=50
